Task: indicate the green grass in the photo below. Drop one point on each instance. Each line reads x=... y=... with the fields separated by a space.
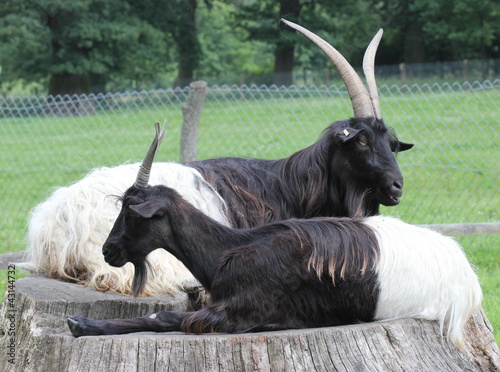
x=484 y=253
x=450 y=176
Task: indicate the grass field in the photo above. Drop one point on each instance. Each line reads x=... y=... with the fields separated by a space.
x=450 y=176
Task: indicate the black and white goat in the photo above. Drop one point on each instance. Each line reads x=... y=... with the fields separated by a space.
x=289 y=274
x=351 y=165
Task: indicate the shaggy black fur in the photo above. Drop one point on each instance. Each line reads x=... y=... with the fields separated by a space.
x=289 y=274
x=339 y=175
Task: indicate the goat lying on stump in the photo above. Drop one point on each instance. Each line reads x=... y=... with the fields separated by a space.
x=351 y=165
x=289 y=274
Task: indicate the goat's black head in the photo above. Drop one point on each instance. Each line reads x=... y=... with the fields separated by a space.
x=135 y=234
x=365 y=159
x=366 y=142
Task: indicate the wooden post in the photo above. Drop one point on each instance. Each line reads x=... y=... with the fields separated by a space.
x=465 y=70
x=402 y=70
x=327 y=77
x=191 y=111
x=454 y=229
x=465 y=75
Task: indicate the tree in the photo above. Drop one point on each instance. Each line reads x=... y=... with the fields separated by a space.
x=226 y=56
x=74 y=43
x=260 y=20
x=339 y=22
x=460 y=29
x=438 y=30
x=403 y=36
x=177 y=20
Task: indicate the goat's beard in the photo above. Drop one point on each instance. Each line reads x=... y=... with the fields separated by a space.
x=140 y=276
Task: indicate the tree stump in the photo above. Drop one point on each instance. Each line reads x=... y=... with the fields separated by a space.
x=36 y=338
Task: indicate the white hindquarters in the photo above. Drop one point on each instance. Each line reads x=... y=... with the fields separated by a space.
x=424 y=274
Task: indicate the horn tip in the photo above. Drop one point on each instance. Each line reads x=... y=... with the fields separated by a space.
x=289 y=23
x=160 y=132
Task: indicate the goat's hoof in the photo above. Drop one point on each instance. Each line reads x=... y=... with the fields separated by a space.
x=81 y=326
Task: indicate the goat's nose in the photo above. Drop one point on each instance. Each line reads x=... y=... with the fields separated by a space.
x=398 y=185
x=397 y=189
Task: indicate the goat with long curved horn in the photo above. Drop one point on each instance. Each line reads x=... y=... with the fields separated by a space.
x=351 y=167
x=145 y=170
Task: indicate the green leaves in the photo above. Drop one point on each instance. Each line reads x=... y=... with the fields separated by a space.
x=125 y=41
x=42 y=38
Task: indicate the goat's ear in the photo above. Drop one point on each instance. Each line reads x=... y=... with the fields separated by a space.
x=346 y=133
x=404 y=146
x=148 y=209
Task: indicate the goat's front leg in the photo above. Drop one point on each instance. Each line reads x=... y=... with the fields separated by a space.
x=162 y=321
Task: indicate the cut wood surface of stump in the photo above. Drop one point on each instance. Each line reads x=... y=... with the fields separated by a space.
x=40 y=340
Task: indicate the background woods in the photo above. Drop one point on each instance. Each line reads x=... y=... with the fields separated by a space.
x=96 y=45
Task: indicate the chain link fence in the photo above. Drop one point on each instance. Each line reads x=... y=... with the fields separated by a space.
x=451 y=175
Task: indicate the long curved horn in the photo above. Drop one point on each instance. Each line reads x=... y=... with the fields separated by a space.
x=369 y=70
x=143 y=175
x=360 y=99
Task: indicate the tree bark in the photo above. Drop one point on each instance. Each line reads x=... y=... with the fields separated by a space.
x=70 y=84
x=68 y=96
x=42 y=341
x=191 y=111
x=283 y=64
x=188 y=45
x=284 y=54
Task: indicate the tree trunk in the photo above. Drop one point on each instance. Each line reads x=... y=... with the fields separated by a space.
x=69 y=84
x=68 y=96
x=284 y=54
x=414 y=51
x=36 y=338
x=188 y=46
x=191 y=111
x=283 y=64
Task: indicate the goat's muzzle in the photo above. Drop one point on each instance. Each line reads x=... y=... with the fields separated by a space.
x=113 y=256
x=391 y=196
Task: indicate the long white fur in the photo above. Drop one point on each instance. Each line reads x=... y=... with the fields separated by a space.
x=66 y=232
x=424 y=274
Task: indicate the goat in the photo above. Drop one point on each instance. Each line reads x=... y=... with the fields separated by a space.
x=352 y=164
x=289 y=274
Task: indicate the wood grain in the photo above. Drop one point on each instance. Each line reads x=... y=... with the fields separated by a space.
x=43 y=341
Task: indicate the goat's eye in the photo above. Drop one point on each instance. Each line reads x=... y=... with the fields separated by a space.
x=363 y=142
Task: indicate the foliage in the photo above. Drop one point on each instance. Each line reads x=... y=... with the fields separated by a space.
x=461 y=29
x=438 y=30
x=224 y=51
x=149 y=43
x=93 y=39
x=177 y=20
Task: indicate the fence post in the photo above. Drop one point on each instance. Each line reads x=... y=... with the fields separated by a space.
x=402 y=70
x=191 y=110
x=327 y=80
